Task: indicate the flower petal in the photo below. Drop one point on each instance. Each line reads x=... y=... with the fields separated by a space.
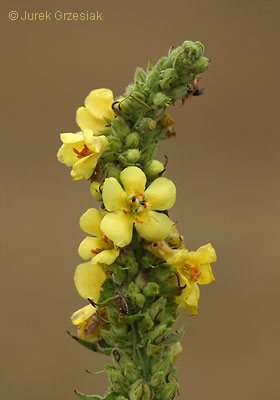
x=71 y=138
x=88 y=279
x=106 y=256
x=161 y=194
x=99 y=103
x=133 y=180
x=118 y=227
x=90 y=222
x=85 y=120
x=88 y=244
x=95 y=143
x=206 y=275
x=203 y=255
x=83 y=314
x=114 y=197
x=84 y=167
x=66 y=154
x=154 y=226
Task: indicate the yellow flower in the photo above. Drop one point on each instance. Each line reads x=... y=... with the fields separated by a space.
x=97 y=247
x=88 y=279
x=81 y=151
x=98 y=104
x=134 y=205
x=192 y=267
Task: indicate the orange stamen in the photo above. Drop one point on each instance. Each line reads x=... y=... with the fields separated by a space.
x=83 y=153
x=105 y=239
x=194 y=273
x=125 y=211
x=138 y=220
x=95 y=251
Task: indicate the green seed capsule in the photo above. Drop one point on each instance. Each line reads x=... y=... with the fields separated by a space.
x=157 y=379
x=140 y=75
x=177 y=92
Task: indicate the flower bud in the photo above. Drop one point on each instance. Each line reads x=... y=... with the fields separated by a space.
x=109 y=156
x=139 y=391
x=201 y=65
x=132 y=140
x=141 y=280
x=140 y=300
x=120 y=127
x=157 y=379
x=146 y=124
x=160 y=99
x=157 y=306
x=95 y=190
x=157 y=334
x=145 y=325
x=169 y=390
x=115 y=143
x=112 y=171
x=152 y=79
x=177 y=92
x=140 y=75
x=153 y=168
x=132 y=155
x=162 y=364
x=167 y=77
x=151 y=289
x=176 y=349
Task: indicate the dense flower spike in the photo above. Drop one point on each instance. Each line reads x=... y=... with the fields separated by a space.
x=137 y=271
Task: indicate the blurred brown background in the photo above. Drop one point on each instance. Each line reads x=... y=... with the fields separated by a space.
x=224 y=161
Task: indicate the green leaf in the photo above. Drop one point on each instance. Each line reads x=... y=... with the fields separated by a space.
x=130 y=319
x=173 y=338
x=108 y=291
x=97 y=346
x=110 y=396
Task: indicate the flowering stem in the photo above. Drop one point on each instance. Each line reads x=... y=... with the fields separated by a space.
x=139 y=272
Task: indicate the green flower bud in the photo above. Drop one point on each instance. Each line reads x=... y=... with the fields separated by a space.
x=95 y=190
x=145 y=325
x=157 y=334
x=140 y=391
x=167 y=78
x=177 y=92
x=152 y=79
x=118 y=276
x=132 y=140
x=132 y=155
x=140 y=75
x=112 y=171
x=157 y=306
x=117 y=379
x=140 y=300
x=151 y=289
x=169 y=390
x=141 y=280
x=120 y=127
x=161 y=364
x=109 y=156
x=153 y=168
x=130 y=372
x=157 y=379
x=115 y=143
x=201 y=65
x=160 y=99
x=200 y=48
x=146 y=124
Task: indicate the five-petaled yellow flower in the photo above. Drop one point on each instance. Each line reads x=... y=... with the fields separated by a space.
x=192 y=267
x=82 y=150
x=97 y=247
x=134 y=205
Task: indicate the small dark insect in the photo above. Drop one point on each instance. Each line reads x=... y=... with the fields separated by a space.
x=91 y=325
x=120 y=302
x=193 y=90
